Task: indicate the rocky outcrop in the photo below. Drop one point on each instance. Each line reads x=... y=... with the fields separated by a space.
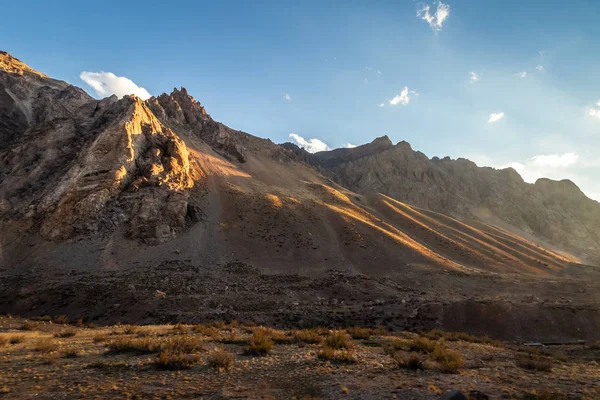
x=555 y=212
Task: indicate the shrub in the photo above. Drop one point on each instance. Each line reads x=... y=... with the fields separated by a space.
x=100 y=338
x=433 y=334
x=16 y=339
x=175 y=360
x=338 y=340
x=450 y=361
x=50 y=358
x=3 y=341
x=390 y=348
x=359 y=333
x=310 y=336
x=422 y=345
x=145 y=332
x=45 y=346
x=183 y=344
x=337 y=355
x=260 y=343
x=130 y=329
x=221 y=360
x=534 y=362
x=45 y=318
x=61 y=319
x=180 y=328
x=29 y=326
x=205 y=330
x=127 y=345
x=71 y=353
x=66 y=333
x=412 y=362
x=278 y=336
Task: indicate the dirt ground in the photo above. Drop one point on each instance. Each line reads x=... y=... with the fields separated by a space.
x=84 y=363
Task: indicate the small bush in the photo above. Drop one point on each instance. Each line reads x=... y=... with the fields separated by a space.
x=130 y=329
x=3 y=340
x=71 y=353
x=141 y=345
x=390 y=348
x=205 y=330
x=175 y=360
x=412 y=362
x=145 y=332
x=29 y=326
x=66 y=333
x=279 y=337
x=534 y=362
x=359 y=333
x=450 y=361
x=180 y=328
x=50 y=358
x=100 y=338
x=339 y=340
x=61 y=319
x=221 y=360
x=423 y=345
x=183 y=344
x=16 y=339
x=45 y=346
x=260 y=343
x=337 y=355
x=310 y=336
x=44 y=318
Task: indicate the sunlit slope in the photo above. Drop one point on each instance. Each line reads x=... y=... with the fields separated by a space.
x=289 y=217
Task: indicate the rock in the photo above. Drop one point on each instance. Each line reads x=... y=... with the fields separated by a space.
x=477 y=395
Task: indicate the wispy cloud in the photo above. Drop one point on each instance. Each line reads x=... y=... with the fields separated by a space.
x=349 y=145
x=595 y=112
x=522 y=74
x=473 y=77
x=106 y=84
x=311 y=145
x=435 y=20
x=402 y=98
x=554 y=160
x=287 y=97
x=495 y=117
x=382 y=104
x=540 y=68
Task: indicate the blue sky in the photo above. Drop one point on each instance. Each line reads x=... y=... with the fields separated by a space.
x=338 y=61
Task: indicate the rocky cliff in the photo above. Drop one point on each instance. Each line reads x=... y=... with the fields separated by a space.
x=557 y=213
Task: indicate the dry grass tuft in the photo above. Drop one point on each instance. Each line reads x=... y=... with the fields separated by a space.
x=100 y=338
x=359 y=333
x=260 y=343
x=412 y=362
x=175 y=360
x=423 y=345
x=221 y=360
x=130 y=329
x=339 y=340
x=205 y=330
x=310 y=336
x=30 y=326
x=3 y=341
x=183 y=344
x=180 y=328
x=341 y=355
x=71 y=353
x=534 y=362
x=61 y=319
x=450 y=361
x=66 y=333
x=45 y=346
x=16 y=339
x=138 y=345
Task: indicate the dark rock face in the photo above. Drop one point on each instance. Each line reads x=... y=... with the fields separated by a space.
x=555 y=212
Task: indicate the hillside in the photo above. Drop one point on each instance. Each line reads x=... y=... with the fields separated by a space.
x=149 y=211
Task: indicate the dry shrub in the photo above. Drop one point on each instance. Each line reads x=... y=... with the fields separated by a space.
x=130 y=329
x=180 y=328
x=412 y=361
x=100 y=338
x=145 y=332
x=277 y=336
x=436 y=334
x=61 y=319
x=66 y=333
x=260 y=343
x=175 y=360
x=183 y=344
x=205 y=330
x=392 y=347
x=221 y=360
x=339 y=340
x=534 y=362
x=71 y=353
x=50 y=358
x=45 y=346
x=3 y=341
x=450 y=361
x=310 y=336
x=29 y=326
x=423 y=345
x=337 y=355
x=359 y=333
x=16 y=339
x=138 y=345
x=44 y=318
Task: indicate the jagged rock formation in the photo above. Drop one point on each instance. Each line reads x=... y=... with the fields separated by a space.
x=555 y=212
x=119 y=199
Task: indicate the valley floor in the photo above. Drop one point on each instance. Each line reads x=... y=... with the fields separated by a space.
x=50 y=359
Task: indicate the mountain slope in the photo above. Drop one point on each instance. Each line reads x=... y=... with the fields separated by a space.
x=557 y=213
x=104 y=202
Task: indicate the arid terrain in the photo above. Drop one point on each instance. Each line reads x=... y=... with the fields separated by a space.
x=46 y=360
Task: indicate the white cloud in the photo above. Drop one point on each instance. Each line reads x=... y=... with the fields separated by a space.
x=473 y=77
x=436 y=20
x=555 y=160
x=381 y=105
x=403 y=98
x=287 y=97
x=521 y=74
x=540 y=67
x=349 y=145
x=311 y=145
x=595 y=112
x=495 y=117
x=106 y=84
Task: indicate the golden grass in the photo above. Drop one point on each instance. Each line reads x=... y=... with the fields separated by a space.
x=310 y=336
x=16 y=339
x=422 y=345
x=221 y=360
x=175 y=360
x=340 y=355
x=45 y=346
x=339 y=340
x=260 y=343
x=138 y=345
x=30 y=326
x=66 y=333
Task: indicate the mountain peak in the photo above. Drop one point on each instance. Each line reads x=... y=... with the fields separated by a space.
x=13 y=65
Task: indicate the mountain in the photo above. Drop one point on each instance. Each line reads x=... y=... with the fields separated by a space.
x=151 y=211
x=555 y=213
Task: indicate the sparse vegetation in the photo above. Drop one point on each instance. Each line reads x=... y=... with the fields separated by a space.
x=182 y=344
x=71 y=353
x=16 y=339
x=310 y=336
x=137 y=345
x=534 y=362
x=100 y=338
x=175 y=360
x=413 y=361
x=30 y=326
x=221 y=360
x=3 y=341
x=423 y=345
x=450 y=361
x=130 y=329
x=359 y=333
x=180 y=328
x=61 y=319
x=66 y=333
x=337 y=355
x=45 y=346
x=339 y=340
x=260 y=343
x=205 y=330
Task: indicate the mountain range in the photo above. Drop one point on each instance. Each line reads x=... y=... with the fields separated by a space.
x=123 y=209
